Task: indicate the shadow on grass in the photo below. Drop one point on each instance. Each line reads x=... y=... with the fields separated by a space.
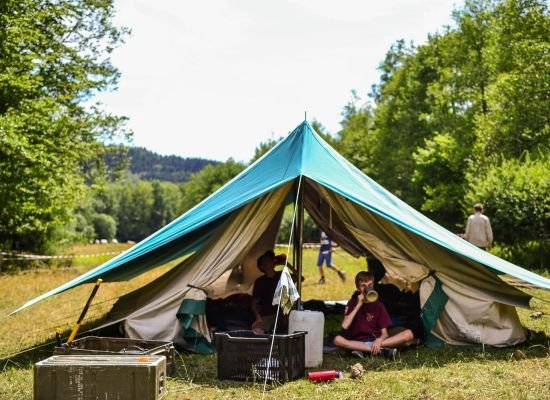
x=26 y=358
x=202 y=369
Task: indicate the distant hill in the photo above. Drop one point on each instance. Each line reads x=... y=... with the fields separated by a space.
x=150 y=166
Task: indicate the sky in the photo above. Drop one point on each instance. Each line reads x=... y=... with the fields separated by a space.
x=216 y=78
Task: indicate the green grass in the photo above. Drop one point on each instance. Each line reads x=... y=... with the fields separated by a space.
x=449 y=373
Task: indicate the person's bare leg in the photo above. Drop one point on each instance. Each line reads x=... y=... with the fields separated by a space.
x=334 y=268
x=398 y=339
x=340 y=273
x=322 y=273
x=344 y=343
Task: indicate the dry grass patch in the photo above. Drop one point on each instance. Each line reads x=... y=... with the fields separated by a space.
x=448 y=373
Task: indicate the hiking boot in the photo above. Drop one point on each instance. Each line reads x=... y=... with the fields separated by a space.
x=389 y=352
x=357 y=353
x=342 y=275
x=322 y=280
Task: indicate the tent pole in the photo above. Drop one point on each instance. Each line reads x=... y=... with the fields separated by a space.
x=298 y=239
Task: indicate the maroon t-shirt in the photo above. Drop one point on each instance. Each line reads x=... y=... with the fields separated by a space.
x=369 y=320
x=264 y=289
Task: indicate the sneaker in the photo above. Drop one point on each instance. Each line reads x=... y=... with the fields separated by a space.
x=322 y=280
x=389 y=352
x=357 y=353
x=342 y=275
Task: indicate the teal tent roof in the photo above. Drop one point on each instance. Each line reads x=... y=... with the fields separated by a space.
x=302 y=153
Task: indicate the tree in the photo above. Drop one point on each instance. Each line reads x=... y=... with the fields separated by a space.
x=515 y=196
x=104 y=226
x=459 y=104
x=135 y=209
x=354 y=140
x=207 y=181
x=166 y=199
x=518 y=97
x=310 y=232
x=509 y=162
x=54 y=58
x=151 y=166
x=400 y=126
x=439 y=170
x=441 y=160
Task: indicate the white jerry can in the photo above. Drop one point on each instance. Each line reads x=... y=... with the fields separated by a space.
x=313 y=322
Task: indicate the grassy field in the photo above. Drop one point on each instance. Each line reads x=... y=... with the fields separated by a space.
x=449 y=373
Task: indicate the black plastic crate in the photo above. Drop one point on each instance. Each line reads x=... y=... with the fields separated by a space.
x=244 y=355
x=97 y=345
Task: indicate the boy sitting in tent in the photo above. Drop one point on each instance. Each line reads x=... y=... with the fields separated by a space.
x=264 y=289
x=366 y=323
x=403 y=305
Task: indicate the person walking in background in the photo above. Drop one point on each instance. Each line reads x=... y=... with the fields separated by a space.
x=478 y=229
x=325 y=256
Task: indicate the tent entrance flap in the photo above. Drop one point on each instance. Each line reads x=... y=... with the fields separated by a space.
x=189 y=315
x=430 y=312
x=247 y=234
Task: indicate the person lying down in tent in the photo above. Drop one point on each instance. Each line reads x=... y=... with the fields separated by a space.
x=264 y=289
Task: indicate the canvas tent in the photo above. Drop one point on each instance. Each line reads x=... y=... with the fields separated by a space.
x=463 y=298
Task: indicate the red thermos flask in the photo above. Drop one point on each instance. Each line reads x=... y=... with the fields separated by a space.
x=279 y=259
x=323 y=376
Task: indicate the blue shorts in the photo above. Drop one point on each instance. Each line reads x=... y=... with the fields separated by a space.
x=326 y=257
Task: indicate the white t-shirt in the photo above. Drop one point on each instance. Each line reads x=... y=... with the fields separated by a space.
x=478 y=230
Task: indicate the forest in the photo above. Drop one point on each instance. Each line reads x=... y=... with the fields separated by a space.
x=460 y=119
x=150 y=166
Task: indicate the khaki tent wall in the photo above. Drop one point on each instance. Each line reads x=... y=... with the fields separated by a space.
x=150 y=312
x=227 y=265
x=472 y=318
x=472 y=313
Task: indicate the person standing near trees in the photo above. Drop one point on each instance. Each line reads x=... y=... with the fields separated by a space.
x=325 y=256
x=478 y=229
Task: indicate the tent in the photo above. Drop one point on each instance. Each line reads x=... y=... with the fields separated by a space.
x=462 y=296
